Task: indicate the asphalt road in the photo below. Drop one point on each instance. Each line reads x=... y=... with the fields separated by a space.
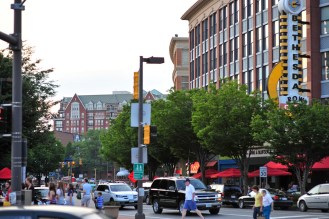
x=226 y=212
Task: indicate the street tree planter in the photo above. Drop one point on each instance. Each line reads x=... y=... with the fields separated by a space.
x=111 y=209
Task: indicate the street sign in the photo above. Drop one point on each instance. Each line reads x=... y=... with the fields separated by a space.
x=135 y=112
x=134 y=155
x=138 y=171
x=262 y=171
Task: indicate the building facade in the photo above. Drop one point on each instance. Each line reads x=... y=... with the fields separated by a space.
x=179 y=54
x=239 y=39
x=81 y=113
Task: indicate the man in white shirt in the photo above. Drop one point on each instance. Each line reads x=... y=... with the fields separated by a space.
x=189 y=200
x=86 y=189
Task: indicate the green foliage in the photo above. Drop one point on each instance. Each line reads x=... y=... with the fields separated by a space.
x=298 y=136
x=37 y=94
x=46 y=155
x=222 y=120
x=119 y=139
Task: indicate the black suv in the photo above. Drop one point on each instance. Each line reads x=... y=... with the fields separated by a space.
x=230 y=193
x=169 y=192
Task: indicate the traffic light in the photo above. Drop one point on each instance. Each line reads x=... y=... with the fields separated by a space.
x=80 y=161
x=147 y=134
x=136 y=84
x=68 y=164
x=63 y=164
x=73 y=163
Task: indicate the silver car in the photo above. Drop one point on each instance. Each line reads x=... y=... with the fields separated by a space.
x=316 y=198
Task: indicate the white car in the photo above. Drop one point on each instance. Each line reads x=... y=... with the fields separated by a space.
x=118 y=192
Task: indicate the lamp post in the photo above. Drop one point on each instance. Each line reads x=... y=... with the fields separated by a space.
x=150 y=60
x=15 y=42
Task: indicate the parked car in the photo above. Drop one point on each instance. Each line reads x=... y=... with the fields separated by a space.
x=147 y=186
x=50 y=211
x=280 y=199
x=316 y=198
x=41 y=195
x=169 y=192
x=230 y=193
x=118 y=192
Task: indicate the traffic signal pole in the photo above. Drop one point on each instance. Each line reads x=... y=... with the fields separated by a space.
x=140 y=214
x=15 y=44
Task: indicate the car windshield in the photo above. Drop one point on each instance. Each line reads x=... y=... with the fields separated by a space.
x=41 y=193
x=195 y=182
x=120 y=188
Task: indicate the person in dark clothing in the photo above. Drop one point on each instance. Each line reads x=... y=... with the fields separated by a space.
x=29 y=186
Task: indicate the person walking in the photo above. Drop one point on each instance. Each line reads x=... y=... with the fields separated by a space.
x=60 y=194
x=267 y=204
x=8 y=190
x=99 y=201
x=189 y=204
x=52 y=194
x=86 y=189
x=258 y=206
x=70 y=193
x=29 y=186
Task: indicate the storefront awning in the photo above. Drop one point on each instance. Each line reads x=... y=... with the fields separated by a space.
x=322 y=164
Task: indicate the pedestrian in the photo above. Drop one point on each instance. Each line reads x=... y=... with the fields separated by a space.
x=70 y=193
x=99 y=201
x=29 y=186
x=258 y=206
x=86 y=189
x=189 y=204
x=60 y=194
x=267 y=204
x=52 y=194
x=8 y=190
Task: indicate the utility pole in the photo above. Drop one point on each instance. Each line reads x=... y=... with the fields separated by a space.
x=150 y=60
x=15 y=44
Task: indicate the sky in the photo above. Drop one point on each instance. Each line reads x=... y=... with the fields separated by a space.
x=94 y=46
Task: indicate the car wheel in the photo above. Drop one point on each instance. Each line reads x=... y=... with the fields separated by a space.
x=241 y=204
x=214 y=210
x=156 y=207
x=302 y=206
x=147 y=200
x=136 y=206
x=181 y=207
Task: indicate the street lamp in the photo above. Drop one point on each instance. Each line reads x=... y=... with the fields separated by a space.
x=150 y=60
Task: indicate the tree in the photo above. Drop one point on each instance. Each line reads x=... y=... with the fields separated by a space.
x=45 y=156
x=222 y=120
x=173 y=118
x=119 y=139
x=89 y=150
x=37 y=99
x=297 y=136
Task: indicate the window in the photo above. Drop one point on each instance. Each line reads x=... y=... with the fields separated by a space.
x=265 y=37
x=213 y=24
x=244 y=45
x=236 y=48
x=324 y=189
x=275 y=2
x=232 y=13
x=205 y=63
x=192 y=39
x=250 y=42
x=224 y=18
x=259 y=74
x=259 y=39
x=325 y=20
x=325 y=65
x=232 y=50
x=225 y=53
x=275 y=32
x=204 y=30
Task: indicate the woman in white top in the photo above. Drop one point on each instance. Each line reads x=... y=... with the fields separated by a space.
x=60 y=195
x=267 y=204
